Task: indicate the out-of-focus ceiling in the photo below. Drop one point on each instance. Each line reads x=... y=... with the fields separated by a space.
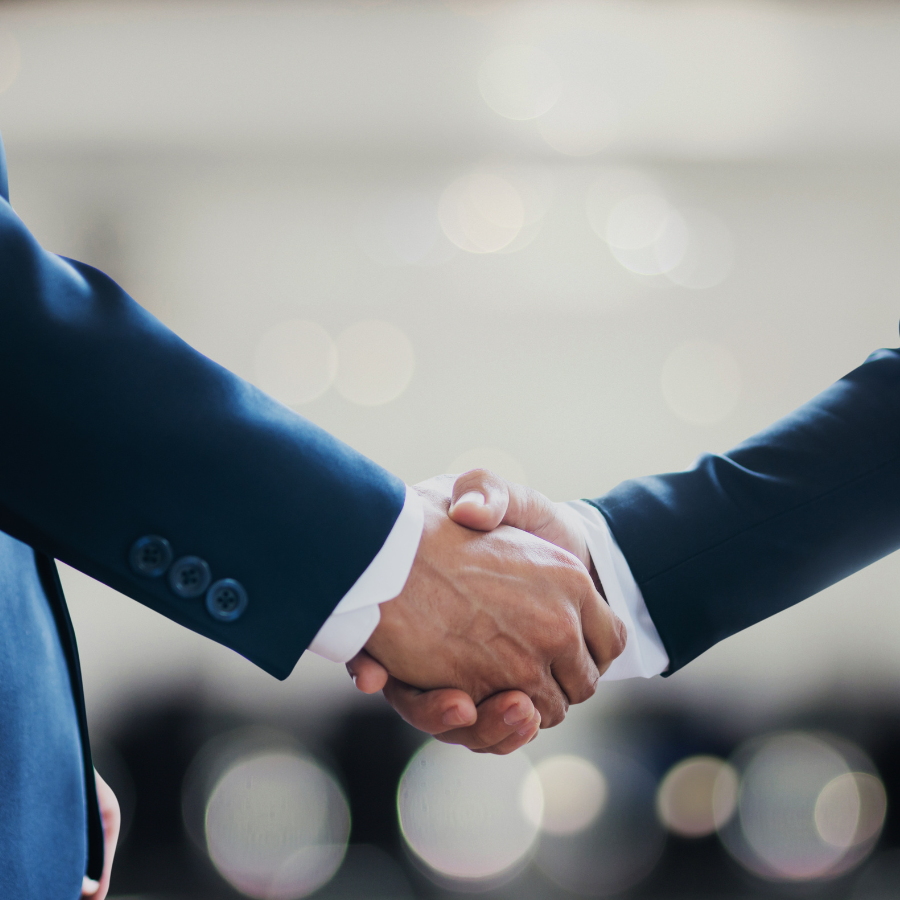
x=702 y=80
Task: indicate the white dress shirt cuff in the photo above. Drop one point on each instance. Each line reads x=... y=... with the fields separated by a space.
x=644 y=654
x=353 y=620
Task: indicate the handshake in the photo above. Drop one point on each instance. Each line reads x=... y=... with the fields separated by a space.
x=502 y=623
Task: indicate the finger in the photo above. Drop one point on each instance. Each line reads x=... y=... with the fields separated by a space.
x=550 y=700
x=367 y=673
x=479 y=500
x=509 y=716
x=111 y=818
x=576 y=673
x=604 y=632
x=529 y=510
x=433 y=712
x=515 y=741
x=482 y=500
x=573 y=667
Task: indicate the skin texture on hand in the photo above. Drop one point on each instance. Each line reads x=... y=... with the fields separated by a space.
x=488 y=612
x=111 y=817
x=481 y=500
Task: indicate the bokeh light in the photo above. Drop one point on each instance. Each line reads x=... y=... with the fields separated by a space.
x=620 y=845
x=637 y=221
x=803 y=813
x=375 y=363
x=697 y=795
x=469 y=817
x=481 y=213
x=708 y=255
x=535 y=187
x=10 y=59
x=646 y=235
x=296 y=362
x=519 y=82
x=582 y=122
x=277 y=826
x=610 y=189
x=400 y=228
x=701 y=382
x=850 y=809
x=574 y=792
x=629 y=211
x=498 y=461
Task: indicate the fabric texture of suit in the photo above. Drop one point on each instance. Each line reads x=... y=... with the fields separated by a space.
x=114 y=429
x=740 y=536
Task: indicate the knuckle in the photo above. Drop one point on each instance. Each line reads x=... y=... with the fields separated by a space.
x=474 y=478
x=553 y=711
x=554 y=718
x=566 y=634
x=620 y=638
x=480 y=738
x=533 y=672
x=615 y=645
x=587 y=686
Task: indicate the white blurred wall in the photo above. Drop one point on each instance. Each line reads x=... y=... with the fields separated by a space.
x=226 y=163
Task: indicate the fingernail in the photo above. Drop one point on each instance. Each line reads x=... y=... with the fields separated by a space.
x=353 y=677
x=474 y=497
x=515 y=715
x=528 y=726
x=89 y=886
x=452 y=716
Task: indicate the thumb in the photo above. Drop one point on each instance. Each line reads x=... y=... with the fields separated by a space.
x=367 y=673
x=482 y=500
x=530 y=510
x=479 y=500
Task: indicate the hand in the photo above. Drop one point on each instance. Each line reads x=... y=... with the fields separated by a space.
x=500 y=724
x=491 y=612
x=112 y=821
x=481 y=500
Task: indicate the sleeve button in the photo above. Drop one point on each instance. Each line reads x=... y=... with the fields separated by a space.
x=189 y=576
x=150 y=556
x=226 y=600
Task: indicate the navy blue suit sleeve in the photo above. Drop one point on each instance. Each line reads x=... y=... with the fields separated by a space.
x=114 y=428
x=741 y=536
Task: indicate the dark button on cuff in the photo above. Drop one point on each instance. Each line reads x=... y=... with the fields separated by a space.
x=189 y=576
x=150 y=556
x=226 y=600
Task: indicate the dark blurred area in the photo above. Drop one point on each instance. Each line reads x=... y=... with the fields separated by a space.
x=663 y=826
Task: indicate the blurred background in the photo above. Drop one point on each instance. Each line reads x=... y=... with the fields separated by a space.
x=574 y=242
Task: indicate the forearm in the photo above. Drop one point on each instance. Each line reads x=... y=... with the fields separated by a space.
x=741 y=536
x=114 y=428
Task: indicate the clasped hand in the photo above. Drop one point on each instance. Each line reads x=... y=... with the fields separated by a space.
x=500 y=626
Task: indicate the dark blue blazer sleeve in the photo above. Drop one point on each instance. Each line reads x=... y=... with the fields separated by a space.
x=112 y=428
x=741 y=536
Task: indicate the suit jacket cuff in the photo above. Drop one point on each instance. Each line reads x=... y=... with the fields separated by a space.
x=353 y=620
x=644 y=655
